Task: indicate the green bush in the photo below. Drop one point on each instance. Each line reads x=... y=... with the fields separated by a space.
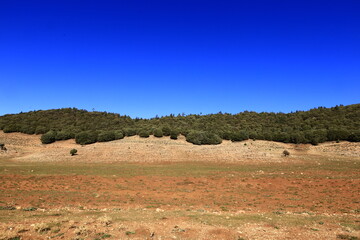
x=239 y=136
x=28 y=129
x=174 y=134
x=354 y=136
x=64 y=135
x=286 y=153
x=118 y=134
x=130 y=132
x=12 y=128
x=106 y=136
x=203 y=138
x=316 y=136
x=86 y=137
x=73 y=151
x=226 y=135
x=281 y=137
x=144 y=133
x=48 y=137
x=158 y=132
x=41 y=130
x=297 y=137
x=337 y=134
x=166 y=131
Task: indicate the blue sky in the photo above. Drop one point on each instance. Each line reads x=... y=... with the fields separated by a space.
x=146 y=58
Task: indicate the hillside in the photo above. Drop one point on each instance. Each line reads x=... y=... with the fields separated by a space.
x=314 y=126
x=28 y=148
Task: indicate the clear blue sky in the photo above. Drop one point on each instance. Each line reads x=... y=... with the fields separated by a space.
x=143 y=58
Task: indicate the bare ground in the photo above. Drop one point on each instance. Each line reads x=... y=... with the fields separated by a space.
x=157 y=188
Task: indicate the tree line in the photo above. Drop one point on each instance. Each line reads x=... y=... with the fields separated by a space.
x=314 y=126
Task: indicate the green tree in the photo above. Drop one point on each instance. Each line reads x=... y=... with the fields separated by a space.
x=86 y=137
x=118 y=134
x=64 y=135
x=239 y=136
x=144 y=133
x=48 y=137
x=106 y=136
x=286 y=153
x=166 y=130
x=73 y=151
x=203 y=138
x=158 y=132
x=174 y=134
x=130 y=132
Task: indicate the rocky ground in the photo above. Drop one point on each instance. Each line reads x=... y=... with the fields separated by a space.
x=157 y=188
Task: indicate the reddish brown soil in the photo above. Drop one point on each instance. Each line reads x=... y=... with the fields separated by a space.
x=227 y=193
x=313 y=195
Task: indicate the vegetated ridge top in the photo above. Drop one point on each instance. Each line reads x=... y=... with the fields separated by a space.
x=314 y=126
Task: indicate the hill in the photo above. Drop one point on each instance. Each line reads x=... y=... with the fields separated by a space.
x=314 y=126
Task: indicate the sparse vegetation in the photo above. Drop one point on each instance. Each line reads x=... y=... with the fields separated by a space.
x=286 y=153
x=73 y=151
x=346 y=236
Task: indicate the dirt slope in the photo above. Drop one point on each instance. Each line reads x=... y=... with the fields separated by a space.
x=135 y=149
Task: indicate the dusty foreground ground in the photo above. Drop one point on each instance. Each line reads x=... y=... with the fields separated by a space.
x=163 y=189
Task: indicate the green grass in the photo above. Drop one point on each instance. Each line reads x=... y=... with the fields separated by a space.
x=194 y=169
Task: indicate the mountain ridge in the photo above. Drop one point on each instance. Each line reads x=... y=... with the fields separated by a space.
x=313 y=126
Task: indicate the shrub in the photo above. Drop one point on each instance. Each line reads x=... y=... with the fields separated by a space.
x=297 y=137
x=226 y=135
x=48 y=137
x=106 y=136
x=166 y=131
x=73 y=151
x=12 y=128
x=253 y=135
x=64 y=135
x=2 y=146
x=129 y=132
x=41 y=130
x=118 y=134
x=239 y=136
x=86 y=137
x=337 y=134
x=28 y=129
x=354 y=137
x=316 y=136
x=174 y=134
x=281 y=137
x=347 y=237
x=202 y=138
x=158 y=132
x=144 y=133
x=286 y=153
x=184 y=132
